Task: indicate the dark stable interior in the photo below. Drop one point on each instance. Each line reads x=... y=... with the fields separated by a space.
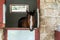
x=12 y=18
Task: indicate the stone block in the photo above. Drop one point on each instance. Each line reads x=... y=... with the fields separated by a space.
x=50 y=1
x=50 y=12
x=41 y=12
x=43 y=21
x=51 y=5
x=58 y=20
x=42 y=5
x=46 y=34
x=58 y=1
x=41 y=1
x=1 y=34
x=50 y=21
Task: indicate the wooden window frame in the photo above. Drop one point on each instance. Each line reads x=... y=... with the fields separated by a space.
x=37 y=31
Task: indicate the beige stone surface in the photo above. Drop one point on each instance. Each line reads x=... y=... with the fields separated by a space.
x=49 y=12
x=42 y=5
x=58 y=20
x=43 y=21
x=50 y=18
x=51 y=5
x=1 y=34
x=58 y=1
x=46 y=33
x=41 y=12
x=48 y=5
x=48 y=21
x=47 y=28
x=49 y=1
x=42 y=1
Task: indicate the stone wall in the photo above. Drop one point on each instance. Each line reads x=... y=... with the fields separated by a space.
x=50 y=18
x=1 y=34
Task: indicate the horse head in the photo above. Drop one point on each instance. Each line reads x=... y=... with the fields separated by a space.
x=31 y=19
x=32 y=13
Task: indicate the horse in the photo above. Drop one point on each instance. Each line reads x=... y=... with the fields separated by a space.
x=28 y=21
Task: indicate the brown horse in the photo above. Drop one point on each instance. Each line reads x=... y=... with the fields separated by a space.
x=28 y=21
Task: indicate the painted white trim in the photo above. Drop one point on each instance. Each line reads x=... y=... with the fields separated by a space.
x=31 y=22
x=37 y=17
x=4 y=10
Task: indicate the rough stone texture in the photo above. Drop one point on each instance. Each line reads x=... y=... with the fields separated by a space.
x=1 y=34
x=58 y=20
x=49 y=1
x=48 y=21
x=48 y=25
x=50 y=18
x=46 y=34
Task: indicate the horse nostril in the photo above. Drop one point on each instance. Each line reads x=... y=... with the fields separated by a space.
x=32 y=29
